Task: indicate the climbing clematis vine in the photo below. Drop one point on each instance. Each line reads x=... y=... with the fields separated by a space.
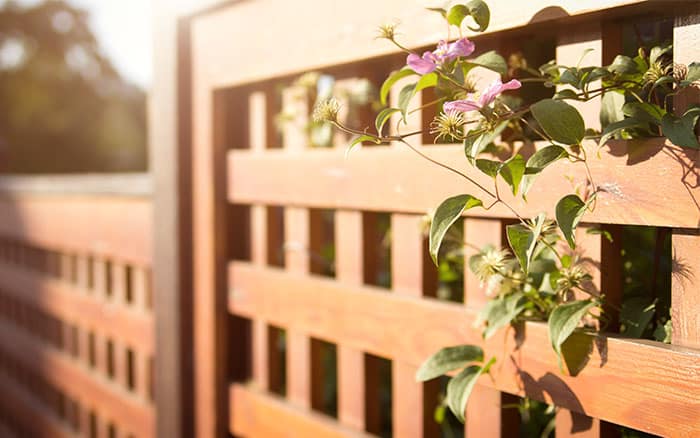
x=471 y=103
x=443 y=53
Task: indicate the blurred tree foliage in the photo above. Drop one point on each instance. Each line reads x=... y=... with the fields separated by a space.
x=63 y=106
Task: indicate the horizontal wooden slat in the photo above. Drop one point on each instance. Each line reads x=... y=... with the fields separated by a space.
x=76 y=380
x=125 y=184
x=108 y=226
x=18 y=404
x=254 y=413
x=70 y=304
x=641 y=384
x=645 y=182
x=333 y=44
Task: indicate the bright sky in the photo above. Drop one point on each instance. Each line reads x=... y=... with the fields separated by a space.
x=123 y=28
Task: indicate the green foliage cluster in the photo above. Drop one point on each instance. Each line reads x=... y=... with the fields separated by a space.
x=64 y=106
x=539 y=276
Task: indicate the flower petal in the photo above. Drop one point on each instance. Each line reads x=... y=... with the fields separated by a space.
x=421 y=65
x=495 y=89
x=463 y=105
x=461 y=47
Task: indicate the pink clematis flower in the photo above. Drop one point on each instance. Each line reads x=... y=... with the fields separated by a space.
x=486 y=98
x=444 y=52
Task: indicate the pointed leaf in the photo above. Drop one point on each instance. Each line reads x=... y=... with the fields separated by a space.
x=391 y=80
x=383 y=117
x=460 y=388
x=569 y=211
x=681 y=130
x=644 y=112
x=546 y=156
x=405 y=96
x=359 y=140
x=489 y=167
x=513 y=171
x=448 y=359
x=611 y=108
x=559 y=120
x=623 y=65
x=563 y=321
x=447 y=214
x=492 y=61
x=613 y=129
x=477 y=141
x=501 y=312
x=523 y=239
x=693 y=72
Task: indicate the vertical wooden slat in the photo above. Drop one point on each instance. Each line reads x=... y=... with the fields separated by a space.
x=257 y=102
x=571 y=46
x=351 y=369
x=685 y=280
x=298 y=344
x=485 y=414
x=119 y=291
x=412 y=401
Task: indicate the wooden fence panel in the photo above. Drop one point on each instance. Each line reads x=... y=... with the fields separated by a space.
x=75 y=323
x=238 y=162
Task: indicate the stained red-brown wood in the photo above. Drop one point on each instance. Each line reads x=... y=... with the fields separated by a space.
x=70 y=377
x=619 y=373
x=685 y=300
x=570 y=424
x=385 y=179
x=81 y=224
x=298 y=343
x=485 y=414
x=413 y=402
x=69 y=303
x=252 y=410
x=351 y=363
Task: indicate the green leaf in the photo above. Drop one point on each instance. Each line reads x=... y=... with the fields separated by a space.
x=447 y=214
x=614 y=129
x=563 y=321
x=544 y=157
x=441 y=11
x=492 y=61
x=644 y=111
x=523 y=239
x=426 y=81
x=559 y=120
x=391 y=80
x=657 y=51
x=569 y=211
x=476 y=142
x=681 y=130
x=448 y=359
x=476 y=9
x=405 y=96
x=359 y=140
x=611 y=108
x=513 y=171
x=636 y=314
x=489 y=167
x=460 y=388
x=502 y=311
x=383 y=117
x=693 y=72
x=623 y=65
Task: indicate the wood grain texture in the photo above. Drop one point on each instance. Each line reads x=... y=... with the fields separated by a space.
x=101 y=225
x=384 y=178
x=412 y=402
x=351 y=362
x=252 y=411
x=624 y=381
x=685 y=281
x=333 y=44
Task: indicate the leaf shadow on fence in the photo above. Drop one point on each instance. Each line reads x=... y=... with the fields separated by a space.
x=550 y=386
